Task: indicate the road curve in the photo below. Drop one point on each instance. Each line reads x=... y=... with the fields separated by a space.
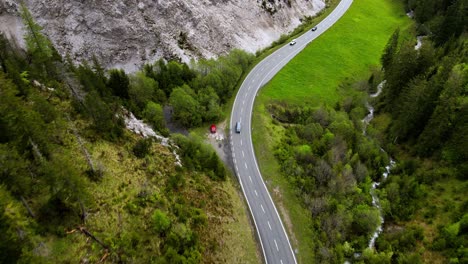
x=270 y=230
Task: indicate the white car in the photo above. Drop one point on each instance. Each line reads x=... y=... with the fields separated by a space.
x=292 y=42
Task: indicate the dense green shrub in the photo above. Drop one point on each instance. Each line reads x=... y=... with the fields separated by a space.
x=197 y=155
x=142 y=147
x=161 y=222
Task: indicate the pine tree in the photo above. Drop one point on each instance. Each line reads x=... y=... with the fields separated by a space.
x=39 y=46
x=390 y=49
x=119 y=83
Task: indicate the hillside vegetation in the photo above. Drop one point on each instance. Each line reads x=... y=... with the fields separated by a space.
x=289 y=131
x=423 y=121
x=76 y=186
x=324 y=164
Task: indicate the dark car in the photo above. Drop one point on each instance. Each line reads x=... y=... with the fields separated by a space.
x=238 y=127
x=314 y=28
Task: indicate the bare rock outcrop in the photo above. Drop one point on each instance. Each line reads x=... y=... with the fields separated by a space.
x=127 y=33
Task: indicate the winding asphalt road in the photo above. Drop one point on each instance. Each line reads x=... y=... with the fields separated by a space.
x=272 y=235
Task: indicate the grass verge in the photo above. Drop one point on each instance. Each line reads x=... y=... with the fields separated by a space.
x=240 y=244
x=346 y=52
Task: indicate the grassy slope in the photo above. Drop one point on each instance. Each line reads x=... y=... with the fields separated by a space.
x=442 y=199
x=125 y=177
x=348 y=50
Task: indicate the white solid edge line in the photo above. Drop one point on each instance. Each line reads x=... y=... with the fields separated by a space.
x=238 y=175
x=250 y=209
x=255 y=159
x=337 y=9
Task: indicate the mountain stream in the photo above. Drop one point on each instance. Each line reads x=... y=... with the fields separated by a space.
x=375 y=198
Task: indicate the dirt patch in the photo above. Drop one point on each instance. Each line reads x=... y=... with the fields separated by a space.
x=220 y=142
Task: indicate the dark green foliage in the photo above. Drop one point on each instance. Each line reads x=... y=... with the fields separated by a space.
x=400 y=240
x=405 y=65
x=20 y=122
x=161 y=222
x=14 y=173
x=39 y=48
x=453 y=240
x=446 y=113
x=154 y=115
x=186 y=109
x=365 y=220
x=36 y=166
x=197 y=93
x=426 y=95
x=454 y=22
x=142 y=91
x=99 y=105
x=13 y=64
x=119 y=83
x=329 y=161
x=405 y=195
x=390 y=49
x=103 y=116
x=92 y=80
x=142 y=147
x=445 y=18
x=209 y=104
x=17 y=236
x=223 y=74
x=170 y=75
x=198 y=156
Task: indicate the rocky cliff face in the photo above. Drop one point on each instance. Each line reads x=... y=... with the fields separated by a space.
x=127 y=33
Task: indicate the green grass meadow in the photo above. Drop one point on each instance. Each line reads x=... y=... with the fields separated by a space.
x=347 y=51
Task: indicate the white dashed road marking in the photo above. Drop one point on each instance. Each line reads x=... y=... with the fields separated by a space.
x=250 y=178
x=256 y=194
x=269 y=224
x=276 y=244
x=261 y=205
x=243 y=155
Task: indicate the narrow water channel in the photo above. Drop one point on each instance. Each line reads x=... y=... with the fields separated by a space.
x=375 y=198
